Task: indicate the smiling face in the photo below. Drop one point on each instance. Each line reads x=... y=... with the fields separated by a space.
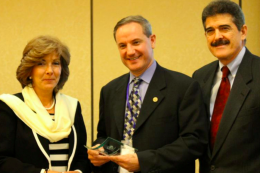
x=46 y=74
x=224 y=39
x=135 y=48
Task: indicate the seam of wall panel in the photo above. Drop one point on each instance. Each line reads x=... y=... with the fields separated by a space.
x=92 y=70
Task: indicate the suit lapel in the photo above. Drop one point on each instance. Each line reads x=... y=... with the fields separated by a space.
x=153 y=92
x=206 y=88
x=119 y=103
x=236 y=99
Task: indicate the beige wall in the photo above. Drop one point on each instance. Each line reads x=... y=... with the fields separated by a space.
x=180 y=45
x=252 y=15
x=69 y=20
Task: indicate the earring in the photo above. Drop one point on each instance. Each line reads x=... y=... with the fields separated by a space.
x=30 y=77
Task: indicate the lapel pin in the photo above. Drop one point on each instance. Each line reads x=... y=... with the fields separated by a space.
x=155 y=99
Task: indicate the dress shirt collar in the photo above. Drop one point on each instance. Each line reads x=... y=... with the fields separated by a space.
x=147 y=75
x=233 y=65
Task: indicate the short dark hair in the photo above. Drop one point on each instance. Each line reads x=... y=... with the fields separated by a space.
x=224 y=7
x=147 y=28
x=35 y=51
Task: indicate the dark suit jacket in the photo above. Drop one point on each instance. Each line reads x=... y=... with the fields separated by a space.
x=170 y=133
x=20 y=153
x=238 y=139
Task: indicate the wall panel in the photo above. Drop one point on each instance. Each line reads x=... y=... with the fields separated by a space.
x=69 y=20
x=252 y=15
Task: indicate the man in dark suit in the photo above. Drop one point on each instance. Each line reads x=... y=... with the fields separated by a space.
x=170 y=129
x=232 y=102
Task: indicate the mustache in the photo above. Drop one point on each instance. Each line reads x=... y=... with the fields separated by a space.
x=220 y=42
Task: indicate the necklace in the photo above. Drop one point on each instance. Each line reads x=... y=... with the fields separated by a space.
x=53 y=103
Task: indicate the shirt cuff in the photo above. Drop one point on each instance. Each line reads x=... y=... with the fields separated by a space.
x=78 y=171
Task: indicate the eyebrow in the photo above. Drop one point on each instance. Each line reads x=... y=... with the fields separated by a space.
x=58 y=58
x=136 y=39
x=225 y=25
x=218 y=26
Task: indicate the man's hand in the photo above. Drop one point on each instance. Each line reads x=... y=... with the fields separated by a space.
x=96 y=158
x=129 y=162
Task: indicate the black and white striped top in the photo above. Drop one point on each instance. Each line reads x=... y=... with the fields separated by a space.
x=59 y=153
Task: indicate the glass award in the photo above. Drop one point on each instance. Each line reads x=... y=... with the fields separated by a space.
x=111 y=147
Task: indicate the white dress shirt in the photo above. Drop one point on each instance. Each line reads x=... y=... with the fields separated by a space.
x=233 y=67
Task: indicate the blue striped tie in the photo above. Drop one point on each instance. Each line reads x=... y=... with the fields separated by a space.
x=133 y=108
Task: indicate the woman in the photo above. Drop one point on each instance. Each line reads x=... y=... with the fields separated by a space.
x=42 y=130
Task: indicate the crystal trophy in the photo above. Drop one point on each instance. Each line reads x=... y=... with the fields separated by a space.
x=111 y=147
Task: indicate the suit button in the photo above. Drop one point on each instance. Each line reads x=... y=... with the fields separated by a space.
x=212 y=167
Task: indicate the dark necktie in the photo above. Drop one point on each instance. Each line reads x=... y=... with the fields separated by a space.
x=220 y=102
x=133 y=108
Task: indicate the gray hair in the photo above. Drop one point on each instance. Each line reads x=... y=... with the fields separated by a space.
x=224 y=7
x=147 y=29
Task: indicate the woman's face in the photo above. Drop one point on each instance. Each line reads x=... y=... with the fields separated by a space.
x=46 y=74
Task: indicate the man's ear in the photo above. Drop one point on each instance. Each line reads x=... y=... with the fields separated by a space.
x=243 y=32
x=153 y=40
